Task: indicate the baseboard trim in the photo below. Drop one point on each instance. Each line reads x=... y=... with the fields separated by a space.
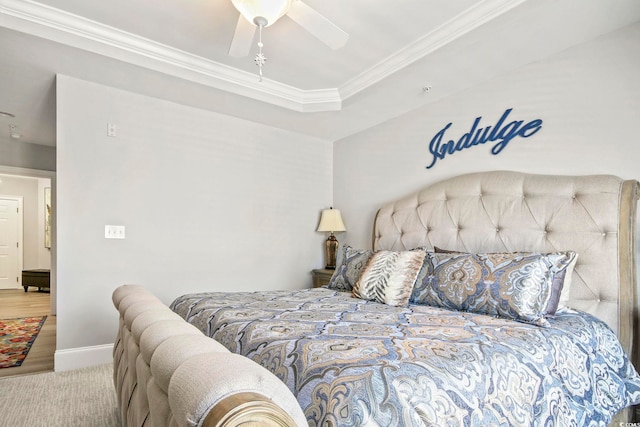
x=82 y=357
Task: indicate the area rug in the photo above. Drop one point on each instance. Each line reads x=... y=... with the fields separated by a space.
x=16 y=338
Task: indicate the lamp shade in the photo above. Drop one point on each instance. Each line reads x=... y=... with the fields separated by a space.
x=271 y=10
x=331 y=220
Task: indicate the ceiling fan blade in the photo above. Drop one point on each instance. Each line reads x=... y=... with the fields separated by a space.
x=242 y=38
x=312 y=21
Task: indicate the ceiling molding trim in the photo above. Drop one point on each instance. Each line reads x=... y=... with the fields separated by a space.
x=456 y=27
x=62 y=27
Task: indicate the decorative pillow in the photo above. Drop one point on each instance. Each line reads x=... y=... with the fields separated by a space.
x=561 y=280
x=347 y=273
x=389 y=277
x=566 y=282
x=518 y=286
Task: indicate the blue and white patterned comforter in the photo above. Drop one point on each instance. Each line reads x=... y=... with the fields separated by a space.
x=352 y=362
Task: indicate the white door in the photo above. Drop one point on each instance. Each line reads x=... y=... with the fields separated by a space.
x=9 y=244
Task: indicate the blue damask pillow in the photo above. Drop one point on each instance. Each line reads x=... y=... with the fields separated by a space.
x=347 y=273
x=518 y=286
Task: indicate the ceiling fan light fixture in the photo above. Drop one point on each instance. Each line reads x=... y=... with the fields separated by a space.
x=270 y=10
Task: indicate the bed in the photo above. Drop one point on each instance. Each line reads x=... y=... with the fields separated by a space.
x=521 y=310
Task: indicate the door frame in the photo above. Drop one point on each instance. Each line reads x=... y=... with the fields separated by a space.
x=37 y=173
x=20 y=219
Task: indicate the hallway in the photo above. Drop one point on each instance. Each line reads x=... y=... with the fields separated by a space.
x=17 y=303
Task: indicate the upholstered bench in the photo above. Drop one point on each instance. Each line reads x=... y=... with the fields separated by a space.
x=167 y=373
x=38 y=278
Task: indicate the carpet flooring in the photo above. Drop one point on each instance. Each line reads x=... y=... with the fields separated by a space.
x=83 y=397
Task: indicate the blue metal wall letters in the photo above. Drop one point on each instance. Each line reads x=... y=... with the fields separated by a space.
x=500 y=133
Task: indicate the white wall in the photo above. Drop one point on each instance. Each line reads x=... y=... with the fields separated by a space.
x=588 y=98
x=210 y=203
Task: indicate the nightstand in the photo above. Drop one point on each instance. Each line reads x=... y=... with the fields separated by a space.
x=321 y=277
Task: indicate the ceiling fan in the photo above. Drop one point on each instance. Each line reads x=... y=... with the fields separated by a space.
x=263 y=13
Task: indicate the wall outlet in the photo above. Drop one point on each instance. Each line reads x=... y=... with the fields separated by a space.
x=114 y=232
x=111 y=129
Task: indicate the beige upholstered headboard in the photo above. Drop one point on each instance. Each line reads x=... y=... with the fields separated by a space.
x=511 y=211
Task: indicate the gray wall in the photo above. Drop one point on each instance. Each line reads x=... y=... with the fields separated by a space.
x=588 y=98
x=23 y=155
x=210 y=203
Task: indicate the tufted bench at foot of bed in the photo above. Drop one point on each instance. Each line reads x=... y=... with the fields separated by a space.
x=167 y=373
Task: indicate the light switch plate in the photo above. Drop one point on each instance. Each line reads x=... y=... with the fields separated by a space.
x=114 y=232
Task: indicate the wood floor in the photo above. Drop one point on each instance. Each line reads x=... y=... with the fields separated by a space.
x=18 y=303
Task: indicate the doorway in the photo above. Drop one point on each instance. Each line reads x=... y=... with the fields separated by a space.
x=27 y=191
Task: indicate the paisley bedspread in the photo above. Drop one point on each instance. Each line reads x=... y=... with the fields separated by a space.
x=352 y=362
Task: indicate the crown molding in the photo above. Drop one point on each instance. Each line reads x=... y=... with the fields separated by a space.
x=59 y=26
x=456 y=27
x=37 y=19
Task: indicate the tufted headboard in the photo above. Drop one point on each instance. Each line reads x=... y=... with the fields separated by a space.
x=505 y=211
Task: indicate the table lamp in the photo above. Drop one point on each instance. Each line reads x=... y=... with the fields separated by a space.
x=331 y=221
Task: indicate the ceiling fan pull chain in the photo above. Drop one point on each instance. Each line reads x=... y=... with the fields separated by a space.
x=260 y=59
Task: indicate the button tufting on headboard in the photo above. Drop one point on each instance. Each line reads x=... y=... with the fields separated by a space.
x=511 y=211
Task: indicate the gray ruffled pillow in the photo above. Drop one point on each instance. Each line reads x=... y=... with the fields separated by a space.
x=347 y=273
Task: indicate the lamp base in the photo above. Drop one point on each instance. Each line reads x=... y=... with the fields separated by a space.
x=331 y=252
